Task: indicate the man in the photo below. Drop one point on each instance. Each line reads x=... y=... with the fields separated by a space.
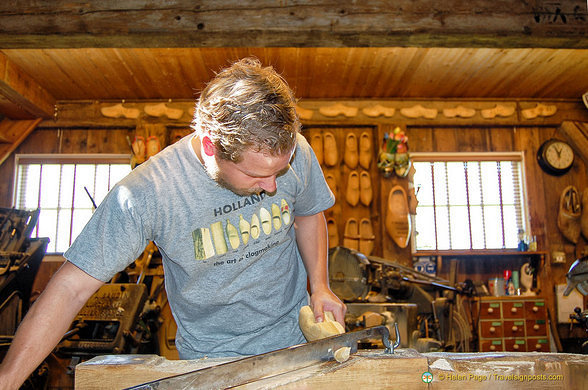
x=236 y=210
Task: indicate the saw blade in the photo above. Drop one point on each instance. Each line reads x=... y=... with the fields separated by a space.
x=269 y=364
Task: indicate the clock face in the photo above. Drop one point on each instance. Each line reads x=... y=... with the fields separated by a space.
x=559 y=155
x=555 y=157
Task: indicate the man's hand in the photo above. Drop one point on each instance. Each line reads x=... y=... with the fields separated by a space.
x=325 y=300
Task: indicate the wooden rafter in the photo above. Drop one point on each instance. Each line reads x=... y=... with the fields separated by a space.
x=577 y=135
x=324 y=23
x=13 y=134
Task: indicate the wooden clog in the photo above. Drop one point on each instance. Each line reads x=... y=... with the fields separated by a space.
x=351 y=234
x=331 y=155
x=366 y=193
x=333 y=233
x=366 y=236
x=568 y=218
x=365 y=150
x=316 y=143
x=352 y=191
x=351 y=156
x=398 y=222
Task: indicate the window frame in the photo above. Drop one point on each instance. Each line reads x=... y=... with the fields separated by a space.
x=64 y=158
x=474 y=156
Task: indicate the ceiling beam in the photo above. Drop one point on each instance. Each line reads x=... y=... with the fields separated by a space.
x=21 y=90
x=265 y=23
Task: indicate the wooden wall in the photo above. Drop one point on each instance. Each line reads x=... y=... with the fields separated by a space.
x=543 y=191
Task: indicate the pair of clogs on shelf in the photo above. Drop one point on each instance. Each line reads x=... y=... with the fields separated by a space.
x=358 y=152
x=359 y=189
x=325 y=149
x=359 y=235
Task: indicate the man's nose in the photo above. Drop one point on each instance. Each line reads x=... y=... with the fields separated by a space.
x=268 y=184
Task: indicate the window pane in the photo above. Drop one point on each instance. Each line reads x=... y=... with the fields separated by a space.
x=422 y=181
x=456 y=178
x=47 y=227
x=477 y=226
x=443 y=239
x=473 y=204
x=490 y=183
x=493 y=226
x=58 y=190
x=460 y=231
x=67 y=185
x=440 y=177
x=425 y=228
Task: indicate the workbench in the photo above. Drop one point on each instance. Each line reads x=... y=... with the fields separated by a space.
x=366 y=369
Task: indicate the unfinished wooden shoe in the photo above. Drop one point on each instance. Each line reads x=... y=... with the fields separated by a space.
x=352 y=192
x=568 y=219
x=584 y=218
x=351 y=156
x=331 y=155
x=351 y=234
x=316 y=143
x=365 y=188
x=398 y=223
x=365 y=150
x=313 y=330
x=366 y=236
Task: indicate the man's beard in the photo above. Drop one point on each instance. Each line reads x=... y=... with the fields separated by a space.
x=216 y=175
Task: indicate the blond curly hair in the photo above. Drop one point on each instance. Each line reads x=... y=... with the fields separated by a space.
x=248 y=107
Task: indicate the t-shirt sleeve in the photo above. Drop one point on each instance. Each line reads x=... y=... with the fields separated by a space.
x=314 y=195
x=112 y=239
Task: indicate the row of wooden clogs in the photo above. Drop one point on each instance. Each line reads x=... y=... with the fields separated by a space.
x=357 y=152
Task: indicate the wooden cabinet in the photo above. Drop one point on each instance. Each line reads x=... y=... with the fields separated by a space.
x=517 y=324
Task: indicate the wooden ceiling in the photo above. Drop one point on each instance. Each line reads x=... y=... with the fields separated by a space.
x=179 y=73
x=136 y=50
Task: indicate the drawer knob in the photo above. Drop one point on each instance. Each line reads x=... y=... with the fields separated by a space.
x=535 y=309
x=535 y=327
x=515 y=328
x=513 y=310
x=492 y=329
x=537 y=347
x=516 y=346
x=493 y=347
x=490 y=310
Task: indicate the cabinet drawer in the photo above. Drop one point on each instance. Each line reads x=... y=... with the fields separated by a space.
x=536 y=328
x=491 y=329
x=538 y=344
x=513 y=309
x=535 y=309
x=491 y=345
x=514 y=328
x=490 y=310
x=515 y=345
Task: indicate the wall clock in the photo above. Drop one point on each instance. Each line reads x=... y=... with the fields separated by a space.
x=555 y=157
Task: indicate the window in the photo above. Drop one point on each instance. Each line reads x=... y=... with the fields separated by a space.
x=61 y=186
x=469 y=202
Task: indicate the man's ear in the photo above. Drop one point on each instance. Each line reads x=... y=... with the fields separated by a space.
x=207 y=146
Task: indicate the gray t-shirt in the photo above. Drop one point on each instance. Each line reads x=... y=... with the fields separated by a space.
x=233 y=273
